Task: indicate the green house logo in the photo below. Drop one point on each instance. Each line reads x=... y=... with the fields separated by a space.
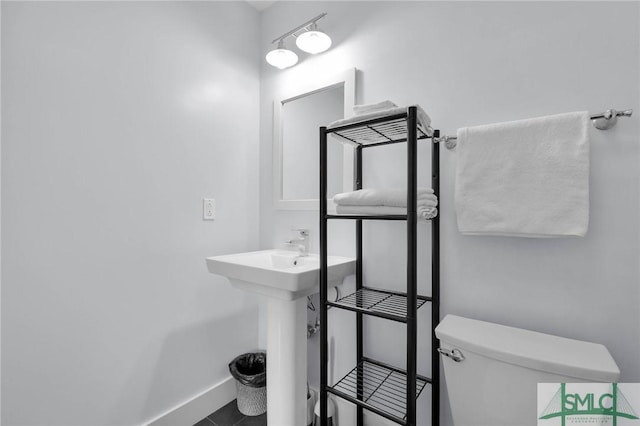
x=584 y=407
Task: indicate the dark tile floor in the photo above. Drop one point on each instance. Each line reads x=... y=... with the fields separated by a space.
x=230 y=416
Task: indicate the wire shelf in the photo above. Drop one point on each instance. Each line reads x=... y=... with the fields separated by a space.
x=378 y=388
x=390 y=131
x=381 y=303
x=368 y=216
x=373 y=385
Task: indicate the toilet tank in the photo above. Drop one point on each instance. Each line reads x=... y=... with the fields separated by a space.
x=496 y=383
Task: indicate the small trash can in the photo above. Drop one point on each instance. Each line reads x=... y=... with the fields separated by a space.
x=250 y=373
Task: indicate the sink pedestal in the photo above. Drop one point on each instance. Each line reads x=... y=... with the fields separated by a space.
x=286 y=279
x=287 y=362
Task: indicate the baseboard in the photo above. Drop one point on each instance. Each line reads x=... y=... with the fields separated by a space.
x=200 y=406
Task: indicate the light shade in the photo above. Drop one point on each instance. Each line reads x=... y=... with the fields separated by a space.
x=313 y=41
x=281 y=57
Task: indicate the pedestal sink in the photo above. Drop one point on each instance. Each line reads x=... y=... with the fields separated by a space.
x=285 y=278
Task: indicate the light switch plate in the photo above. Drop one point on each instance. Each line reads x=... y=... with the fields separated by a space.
x=208 y=209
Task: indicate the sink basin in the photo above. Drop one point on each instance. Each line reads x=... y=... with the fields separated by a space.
x=279 y=273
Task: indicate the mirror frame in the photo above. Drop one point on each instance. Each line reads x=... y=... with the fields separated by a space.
x=348 y=80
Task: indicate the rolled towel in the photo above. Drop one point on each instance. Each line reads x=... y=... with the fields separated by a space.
x=367 y=108
x=385 y=197
x=424 y=121
x=424 y=212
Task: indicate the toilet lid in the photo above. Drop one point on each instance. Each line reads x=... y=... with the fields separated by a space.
x=538 y=351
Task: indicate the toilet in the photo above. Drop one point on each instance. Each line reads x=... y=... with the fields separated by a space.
x=492 y=371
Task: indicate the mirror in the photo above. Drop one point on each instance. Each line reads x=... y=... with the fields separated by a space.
x=297 y=119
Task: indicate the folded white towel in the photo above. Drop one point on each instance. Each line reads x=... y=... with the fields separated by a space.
x=424 y=121
x=424 y=212
x=367 y=108
x=527 y=178
x=384 y=197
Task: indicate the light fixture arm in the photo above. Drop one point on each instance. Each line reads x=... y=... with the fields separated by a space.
x=300 y=27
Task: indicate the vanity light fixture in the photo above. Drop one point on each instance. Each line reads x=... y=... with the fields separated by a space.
x=281 y=57
x=313 y=41
x=308 y=38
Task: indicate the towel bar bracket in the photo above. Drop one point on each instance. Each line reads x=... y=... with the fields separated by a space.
x=450 y=142
x=609 y=118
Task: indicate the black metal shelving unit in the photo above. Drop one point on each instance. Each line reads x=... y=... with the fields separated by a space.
x=383 y=389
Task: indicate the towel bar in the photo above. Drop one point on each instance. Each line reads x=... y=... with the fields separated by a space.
x=602 y=121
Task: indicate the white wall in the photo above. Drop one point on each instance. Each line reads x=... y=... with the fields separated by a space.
x=118 y=117
x=475 y=63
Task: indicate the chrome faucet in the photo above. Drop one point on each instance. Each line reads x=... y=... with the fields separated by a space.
x=300 y=241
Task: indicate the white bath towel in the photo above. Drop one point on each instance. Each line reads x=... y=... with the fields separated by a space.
x=424 y=121
x=527 y=178
x=367 y=108
x=385 y=197
x=424 y=213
